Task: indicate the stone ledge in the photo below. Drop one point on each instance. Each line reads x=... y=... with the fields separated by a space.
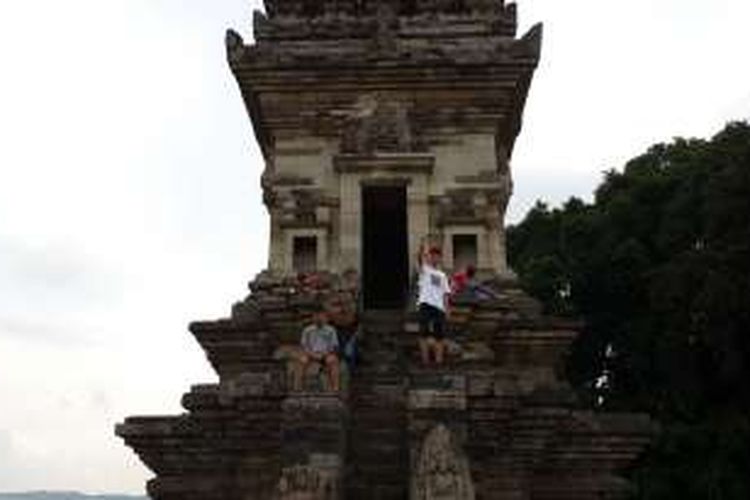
x=399 y=163
x=315 y=401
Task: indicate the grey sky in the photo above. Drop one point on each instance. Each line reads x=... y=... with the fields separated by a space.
x=129 y=199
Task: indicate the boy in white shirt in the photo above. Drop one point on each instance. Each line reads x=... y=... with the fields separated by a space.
x=433 y=303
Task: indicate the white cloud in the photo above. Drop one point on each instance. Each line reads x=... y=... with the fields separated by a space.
x=128 y=207
x=616 y=77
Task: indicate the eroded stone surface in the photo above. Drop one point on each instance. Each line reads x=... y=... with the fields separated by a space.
x=517 y=423
x=325 y=81
x=442 y=470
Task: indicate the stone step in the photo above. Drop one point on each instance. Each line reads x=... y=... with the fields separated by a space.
x=386 y=471
x=378 y=407
x=386 y=458
x=378 y=491
x=380 y=382
x=386 y=383
x=373 y=439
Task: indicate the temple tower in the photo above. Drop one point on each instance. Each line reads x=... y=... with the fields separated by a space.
x=384 y=124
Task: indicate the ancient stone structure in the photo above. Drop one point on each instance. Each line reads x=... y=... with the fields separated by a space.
x=416 y=103
x=385 y=123
x=441 y=471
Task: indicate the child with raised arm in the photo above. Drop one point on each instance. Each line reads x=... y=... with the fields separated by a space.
x=433 y=304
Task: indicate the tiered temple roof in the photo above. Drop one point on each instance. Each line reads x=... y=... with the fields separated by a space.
x=312 y=60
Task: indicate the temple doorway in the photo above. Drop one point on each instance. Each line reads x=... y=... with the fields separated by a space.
x=385 y=254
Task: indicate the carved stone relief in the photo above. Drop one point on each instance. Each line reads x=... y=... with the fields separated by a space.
x=376 y=125
x=303 y=482
x=442 y=469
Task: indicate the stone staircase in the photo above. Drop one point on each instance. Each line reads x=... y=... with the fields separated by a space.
x=500 y=400
x=378 y=454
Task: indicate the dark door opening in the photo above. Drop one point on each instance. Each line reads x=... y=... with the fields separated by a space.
x=305 y=254
x=464 y=251
x=385 y=254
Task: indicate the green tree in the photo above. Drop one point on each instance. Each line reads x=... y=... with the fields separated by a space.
x=658 y=266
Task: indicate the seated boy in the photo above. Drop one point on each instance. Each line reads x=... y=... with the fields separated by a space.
x=319 y=344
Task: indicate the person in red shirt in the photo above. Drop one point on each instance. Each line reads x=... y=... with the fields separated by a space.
x=464 y=283
x=461 y=279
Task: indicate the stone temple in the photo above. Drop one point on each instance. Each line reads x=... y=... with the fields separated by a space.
x=385 y=124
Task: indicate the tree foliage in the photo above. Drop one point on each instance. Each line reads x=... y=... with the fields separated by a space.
x=658 y=266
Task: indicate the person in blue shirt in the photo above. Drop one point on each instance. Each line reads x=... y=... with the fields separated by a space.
x=320 y=344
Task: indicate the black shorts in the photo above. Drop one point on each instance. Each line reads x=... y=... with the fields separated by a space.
x=431 y=322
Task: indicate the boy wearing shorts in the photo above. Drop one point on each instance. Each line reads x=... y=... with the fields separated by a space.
x=432 y=303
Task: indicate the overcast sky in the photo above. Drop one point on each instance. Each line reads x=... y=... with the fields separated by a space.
x=129 y=198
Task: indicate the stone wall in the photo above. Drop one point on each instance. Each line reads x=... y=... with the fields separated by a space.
x=501 y=396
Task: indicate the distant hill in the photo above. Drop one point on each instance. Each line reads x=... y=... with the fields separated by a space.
x=64 y=495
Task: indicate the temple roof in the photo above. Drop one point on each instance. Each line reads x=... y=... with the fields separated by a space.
x=312 y=19
x=465 y=52
x=319 y=8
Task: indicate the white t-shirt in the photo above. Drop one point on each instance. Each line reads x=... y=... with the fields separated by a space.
x=433 y=287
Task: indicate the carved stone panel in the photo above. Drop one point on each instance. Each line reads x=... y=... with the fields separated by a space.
x=307 y=483
x=442 y=469
x=378 y=125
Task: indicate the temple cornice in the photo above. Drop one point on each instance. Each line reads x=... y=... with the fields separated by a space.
x=396 y=162
x=495 y=71
x=315 y=9
x=422 y=50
